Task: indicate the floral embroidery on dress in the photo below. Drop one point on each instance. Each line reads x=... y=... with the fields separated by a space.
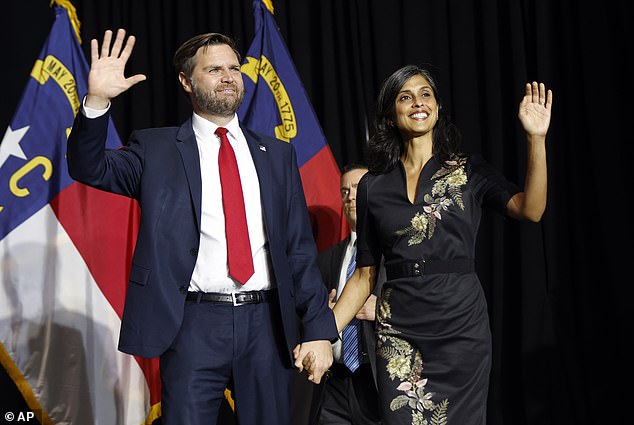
x=446 y=191
x=405 y=364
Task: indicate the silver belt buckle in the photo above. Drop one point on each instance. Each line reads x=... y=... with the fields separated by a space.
x=235 y=301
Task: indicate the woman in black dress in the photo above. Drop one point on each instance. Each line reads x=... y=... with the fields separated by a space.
x=419 y=207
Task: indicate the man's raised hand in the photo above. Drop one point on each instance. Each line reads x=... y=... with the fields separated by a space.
x=106 y=79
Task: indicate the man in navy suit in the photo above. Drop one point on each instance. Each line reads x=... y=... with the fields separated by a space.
x=219 y=313
x=349 y=396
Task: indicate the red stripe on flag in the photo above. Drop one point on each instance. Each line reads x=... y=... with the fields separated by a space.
x=320 y=178
x=151 y=371
x=104 y=226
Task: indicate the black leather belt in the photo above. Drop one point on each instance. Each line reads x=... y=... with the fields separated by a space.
x=235 y=298
x=422 y=267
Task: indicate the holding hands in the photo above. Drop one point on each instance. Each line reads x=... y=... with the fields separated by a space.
x=314 y=357
x=106 y=79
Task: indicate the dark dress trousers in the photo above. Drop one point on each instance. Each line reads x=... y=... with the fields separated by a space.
x=160 y=168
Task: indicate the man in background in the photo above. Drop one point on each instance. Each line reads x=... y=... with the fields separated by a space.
x=349 y=394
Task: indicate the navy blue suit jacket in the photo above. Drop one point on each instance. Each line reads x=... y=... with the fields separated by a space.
x=160 y=168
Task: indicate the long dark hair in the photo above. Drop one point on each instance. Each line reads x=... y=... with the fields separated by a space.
x=385 y=147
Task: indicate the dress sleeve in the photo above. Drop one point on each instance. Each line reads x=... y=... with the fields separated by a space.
x=491 y=188
x=368 y=247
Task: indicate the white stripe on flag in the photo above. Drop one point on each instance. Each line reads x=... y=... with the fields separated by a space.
x=62 y=333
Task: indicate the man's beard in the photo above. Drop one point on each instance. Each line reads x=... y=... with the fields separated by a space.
x=209 y=102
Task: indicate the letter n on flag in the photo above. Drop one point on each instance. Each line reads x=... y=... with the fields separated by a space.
x=65 y=252
x=275 y=103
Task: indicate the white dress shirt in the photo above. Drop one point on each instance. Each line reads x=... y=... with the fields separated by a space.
x=211 y=272
x=337 y=346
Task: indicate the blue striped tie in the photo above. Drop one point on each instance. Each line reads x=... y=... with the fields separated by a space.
x=350 y=334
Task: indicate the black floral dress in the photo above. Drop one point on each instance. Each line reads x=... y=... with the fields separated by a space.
x=433 y=338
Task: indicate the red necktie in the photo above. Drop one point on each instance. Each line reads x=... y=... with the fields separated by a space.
x=238 y=245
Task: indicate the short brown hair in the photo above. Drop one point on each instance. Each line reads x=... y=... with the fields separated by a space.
x=184 y=57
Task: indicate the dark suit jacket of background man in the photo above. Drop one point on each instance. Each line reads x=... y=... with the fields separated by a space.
x=163 y=174
x=330 y=262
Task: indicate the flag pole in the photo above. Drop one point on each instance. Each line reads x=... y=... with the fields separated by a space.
x=72 y=14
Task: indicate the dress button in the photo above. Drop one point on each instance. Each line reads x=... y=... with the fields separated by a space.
x=193 y=252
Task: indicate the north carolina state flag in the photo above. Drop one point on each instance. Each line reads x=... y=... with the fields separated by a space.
x=275 y=103
x=65 y=251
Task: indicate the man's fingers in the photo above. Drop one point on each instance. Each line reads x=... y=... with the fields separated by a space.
x=296 y=351
x=118 y=43
x=300 y=358
x=136 y=79
x=309 y=361
x=94 y=50
x=127 y=49
x=332 y=295
x=298 y=365
x=331 y=298
x=317 y=371
x=105 y=44
x=315 y=377
x=319 y=359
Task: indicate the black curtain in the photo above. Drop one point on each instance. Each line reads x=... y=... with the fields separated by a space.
x=558 y=291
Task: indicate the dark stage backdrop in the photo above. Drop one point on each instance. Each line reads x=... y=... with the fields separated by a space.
x=558 y=291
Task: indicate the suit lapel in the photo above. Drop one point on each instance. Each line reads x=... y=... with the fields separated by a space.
x=186 y=144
